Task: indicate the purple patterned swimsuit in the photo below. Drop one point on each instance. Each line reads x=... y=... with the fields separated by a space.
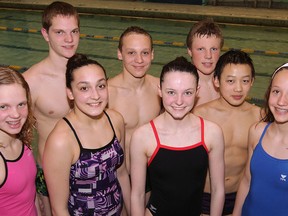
x=94 y=187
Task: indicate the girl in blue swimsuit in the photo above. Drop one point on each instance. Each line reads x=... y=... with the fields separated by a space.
x=264 y=187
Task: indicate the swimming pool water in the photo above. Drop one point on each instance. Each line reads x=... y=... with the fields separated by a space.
x=23 y=48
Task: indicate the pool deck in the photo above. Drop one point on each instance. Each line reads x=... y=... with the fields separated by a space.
x=221 y=14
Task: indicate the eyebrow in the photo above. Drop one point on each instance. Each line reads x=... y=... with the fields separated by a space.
x=242 y=76
x=87 y=82
x=189 y=89
x=61 y=29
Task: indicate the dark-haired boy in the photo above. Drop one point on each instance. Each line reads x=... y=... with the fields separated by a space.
x=234 y=76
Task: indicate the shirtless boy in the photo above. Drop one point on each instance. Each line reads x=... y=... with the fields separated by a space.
x=60 y=29
x=133 y=92
x=204 y=42
x=234 y=76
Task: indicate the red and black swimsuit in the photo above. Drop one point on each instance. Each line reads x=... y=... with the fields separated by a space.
x=177 y=177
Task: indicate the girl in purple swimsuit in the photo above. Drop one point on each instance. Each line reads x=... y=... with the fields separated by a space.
x=84 y=155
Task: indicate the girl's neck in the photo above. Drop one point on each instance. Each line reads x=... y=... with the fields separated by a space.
x=6 y=140
x=176 y=124
x=280 y=129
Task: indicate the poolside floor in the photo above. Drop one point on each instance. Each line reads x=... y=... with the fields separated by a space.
x=221 y=14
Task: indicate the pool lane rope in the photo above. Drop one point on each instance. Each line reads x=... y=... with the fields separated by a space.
x=155 y=42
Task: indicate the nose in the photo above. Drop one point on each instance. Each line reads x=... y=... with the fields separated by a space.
x=139 y=58
x=238 y=87
x=14 y=113
x=179 y=100
x=95 y=94
x=68 y=38
x=208 y=54
x=283 y=100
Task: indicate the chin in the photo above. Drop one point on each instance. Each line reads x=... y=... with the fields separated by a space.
x=14 y=131
x=178 y=117
x=236 y=103
x=68 y=55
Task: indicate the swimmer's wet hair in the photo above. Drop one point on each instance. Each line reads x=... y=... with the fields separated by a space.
x=76 y=61
x=206 y=27
x=134 y=30
x=180 y=64
x=233 y=57
x=58 y=8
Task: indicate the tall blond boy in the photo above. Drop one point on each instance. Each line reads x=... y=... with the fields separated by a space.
x=204 y=43
x=46 y=79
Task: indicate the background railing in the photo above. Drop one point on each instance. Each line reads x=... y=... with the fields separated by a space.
x=277 y=4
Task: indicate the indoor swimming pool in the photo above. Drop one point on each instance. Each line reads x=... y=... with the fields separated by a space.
x=22 y=45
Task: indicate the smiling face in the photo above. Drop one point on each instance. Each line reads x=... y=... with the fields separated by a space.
x=278 y=98
x=136 y=54
x=63 y=35
x=205 y=52
x=13 y=108
x=178 y=92
x=89 y=90
x=235 y=83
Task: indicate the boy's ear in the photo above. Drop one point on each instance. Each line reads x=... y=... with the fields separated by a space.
x=119 y=54
x=197 y=90
x=189 y=52
x=216 y=82
x=252 y=81
x=45 y=34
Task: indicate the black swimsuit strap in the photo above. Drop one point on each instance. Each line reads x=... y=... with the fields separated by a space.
x=70 y=125
x=1 y=155
x=110 y=122
x=78 y=140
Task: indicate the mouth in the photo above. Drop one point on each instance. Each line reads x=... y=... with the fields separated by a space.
x=70 y=47
x=95 y=104
x=237 y=97
x=281 y=110
x=178 y=108
x=139 y=67
x=207 y=64
x=14 y=124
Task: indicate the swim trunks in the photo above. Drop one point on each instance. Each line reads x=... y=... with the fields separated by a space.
x=41 y=186
x=228 y=205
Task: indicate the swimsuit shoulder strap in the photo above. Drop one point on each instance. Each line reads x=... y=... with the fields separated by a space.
x=70 y=125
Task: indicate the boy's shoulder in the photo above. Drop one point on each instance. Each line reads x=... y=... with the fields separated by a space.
x=207 y=107
x=252 y=108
